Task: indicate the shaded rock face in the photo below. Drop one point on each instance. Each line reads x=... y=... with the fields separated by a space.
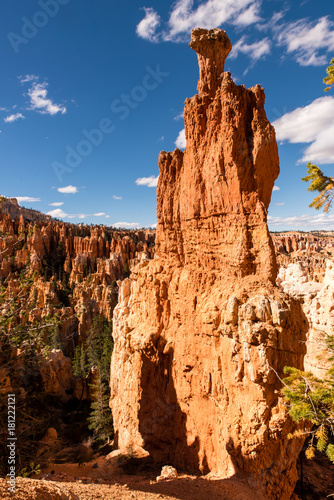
x=199 y=327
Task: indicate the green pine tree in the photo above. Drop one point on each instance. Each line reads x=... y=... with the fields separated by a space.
x=320 y=182
x=311 y=399
x=100 y=419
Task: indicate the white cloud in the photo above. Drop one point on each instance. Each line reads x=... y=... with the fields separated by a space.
x=153 y=226
x=180 y=116
x=209 y=14
x=310 y=124
x=27 y=199
x=28 y=78
x=58 y=213
x=249 y=16
x=151 y=181
x=255 y=50
x=107 y=216
x=181 y=140
x=13 y=118
x=280 y=204
x=56 y=204
x=68 y=189
x=40 y=103
x=305 y=38
x=147 y=27
x=315 y=221
x=126 y=225
x=117 y=197
x=276 y=188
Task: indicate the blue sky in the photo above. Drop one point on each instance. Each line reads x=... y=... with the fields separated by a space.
x=92 y=90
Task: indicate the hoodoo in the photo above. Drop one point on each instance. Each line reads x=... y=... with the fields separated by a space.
x=201 y=329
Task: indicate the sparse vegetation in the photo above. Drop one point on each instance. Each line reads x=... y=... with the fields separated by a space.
x=311 y=400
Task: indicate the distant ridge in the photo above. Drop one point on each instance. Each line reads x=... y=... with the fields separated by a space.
x=11 y=207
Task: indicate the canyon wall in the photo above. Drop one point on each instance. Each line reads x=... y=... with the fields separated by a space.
x=74 y=268
x=11 y=207
x=200 y=329
x=309 y=250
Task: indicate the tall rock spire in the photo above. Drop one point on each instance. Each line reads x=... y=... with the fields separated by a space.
x=199 y=328
x=213 y=199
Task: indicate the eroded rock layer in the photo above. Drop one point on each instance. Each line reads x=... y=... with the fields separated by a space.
x=199 y=328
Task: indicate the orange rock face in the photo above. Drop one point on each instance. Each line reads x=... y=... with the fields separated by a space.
x=213 y=199
x=199 y=328
x=86 y=258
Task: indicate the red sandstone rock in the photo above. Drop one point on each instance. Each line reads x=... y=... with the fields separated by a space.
x=198 y=328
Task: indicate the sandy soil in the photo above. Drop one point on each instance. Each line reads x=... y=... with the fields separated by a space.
x=102 y=478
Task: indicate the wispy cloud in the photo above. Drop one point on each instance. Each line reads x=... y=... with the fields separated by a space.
x=41 y=103
x=60 y=214
x=126 y=225
x=56 y=204
x=179 y=116
x=151 y=181
x=181 y=141
x=117 y=197
x=255 y=50
x=249 y=15
x=316 y=221
x=310 y=42
x=22 y=199
x=310 y=124
x=184 y=17
x=68 y=189
x=13 y=118
x=28 y=78
x=148 y=25
x=304 y=39
x=276 y=188
x=280 y=204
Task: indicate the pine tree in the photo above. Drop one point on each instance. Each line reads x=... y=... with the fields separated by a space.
x=321 y=183
x=97 y=353
x=100 y=419
x=311 y=399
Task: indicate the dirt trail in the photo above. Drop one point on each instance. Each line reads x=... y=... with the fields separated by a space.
x=101 y=478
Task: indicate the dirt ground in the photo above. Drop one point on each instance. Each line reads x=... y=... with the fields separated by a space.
x=103 y=478
x=111 y=477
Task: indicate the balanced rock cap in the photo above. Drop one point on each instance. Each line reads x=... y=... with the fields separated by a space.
x=212 y=48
